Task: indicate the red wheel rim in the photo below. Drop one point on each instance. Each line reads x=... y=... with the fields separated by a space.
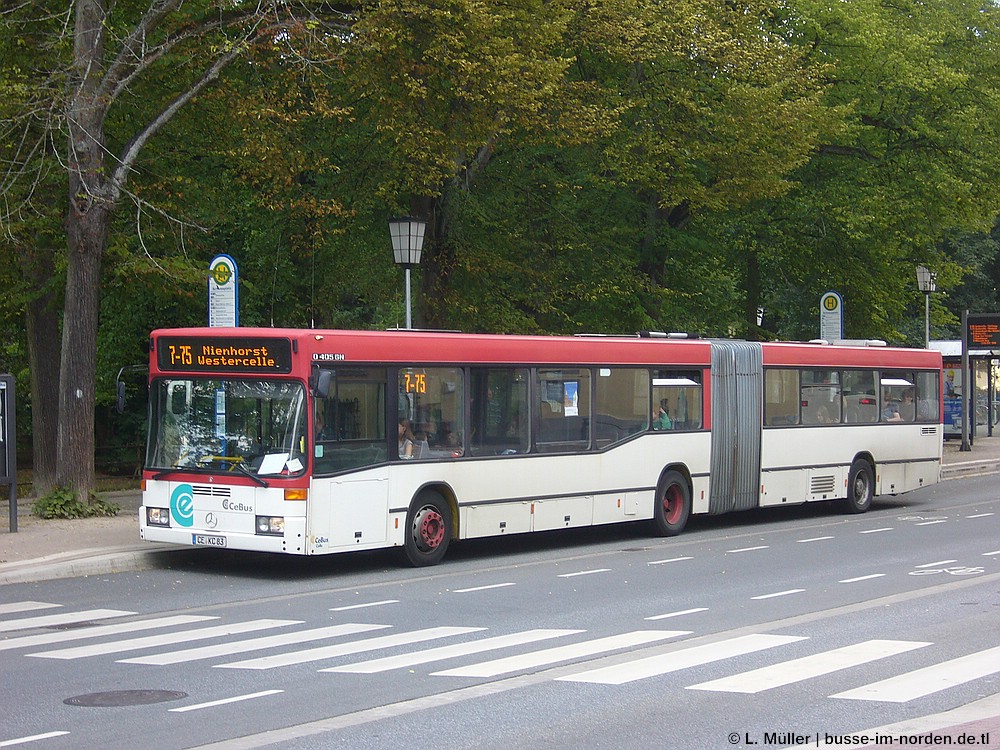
x=673 y=504
x=429 y=528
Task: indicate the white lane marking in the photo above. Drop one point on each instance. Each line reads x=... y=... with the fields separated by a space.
x=64 y=618
x=678 y=613
x=876 y=531
x=931 y=523
x=670 y=560
x=747 y=549
x=32 y=738
x=364 y=606
x=933 y=564
x=777 y=594
x=980 y=515
x=815 y=539
x=447 y=652
x=345 y=649
x=152 y=641
x=584 y=573
x=653 y=666
x=561 y=653
x=989 y=554
x=483 y=588
x=862 y=578
x=224 y=701
x=98 y=631
x=816 y=665
x=252 y=644
x=11 y=607
x=932 y=679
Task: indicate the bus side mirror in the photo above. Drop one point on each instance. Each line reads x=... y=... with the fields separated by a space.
x=320 y=382
x=120 y=397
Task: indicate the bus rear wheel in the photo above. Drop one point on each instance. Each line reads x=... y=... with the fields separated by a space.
x=428 y=530
x=673 y=504
x=860 y=487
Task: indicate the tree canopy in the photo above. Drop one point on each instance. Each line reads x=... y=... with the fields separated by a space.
x=584 y=165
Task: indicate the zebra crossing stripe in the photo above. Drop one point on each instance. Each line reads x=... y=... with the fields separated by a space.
x=251 y=644
x=449 y=652
x=344 y=649
x=674 y=661
x=99 y=631
x=797 y=670
x=64 y=618
x=932 y=679
x=225 y=701
x=152 y=641
x=561 y=653
x=11 y=607
x=32 y=738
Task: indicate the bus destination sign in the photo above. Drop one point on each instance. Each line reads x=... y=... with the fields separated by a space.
x=226 y=355
x=983 y=331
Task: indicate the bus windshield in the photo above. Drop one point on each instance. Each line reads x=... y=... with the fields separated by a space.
x=255 y=427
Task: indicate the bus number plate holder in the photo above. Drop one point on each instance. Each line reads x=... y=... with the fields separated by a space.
x=209 y=540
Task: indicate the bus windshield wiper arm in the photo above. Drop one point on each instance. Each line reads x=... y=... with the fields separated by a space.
x=242 y=467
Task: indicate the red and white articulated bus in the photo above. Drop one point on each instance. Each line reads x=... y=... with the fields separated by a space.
x=313 y=442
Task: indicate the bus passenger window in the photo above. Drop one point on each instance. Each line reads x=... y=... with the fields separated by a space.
x=622 y=404
x=820 y=396
x=928 y=404
x=676 y=400
x=499 y=412
x=781 y=397
x=433 y=400
x=563 y=411
x=860 y=397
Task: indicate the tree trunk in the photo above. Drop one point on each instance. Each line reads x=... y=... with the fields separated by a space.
x=42 y=325
x=753 y=291
x=87 y=232
x=435 y=266
x=87 y=221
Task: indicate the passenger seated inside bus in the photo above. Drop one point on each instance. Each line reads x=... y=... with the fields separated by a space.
x=907 y=409
x=405 y=439
x=661 y=417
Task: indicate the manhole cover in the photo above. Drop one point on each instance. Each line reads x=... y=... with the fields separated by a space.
x=114 y=698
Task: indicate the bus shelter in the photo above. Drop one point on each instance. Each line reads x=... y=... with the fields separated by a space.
x=983 y=401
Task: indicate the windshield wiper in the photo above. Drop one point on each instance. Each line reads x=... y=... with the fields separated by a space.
x=243 y=468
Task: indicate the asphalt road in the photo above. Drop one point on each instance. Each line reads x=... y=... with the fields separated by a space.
x=750 y=630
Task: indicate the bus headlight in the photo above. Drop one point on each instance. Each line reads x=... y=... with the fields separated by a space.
x=271 y=525
x=157 y=517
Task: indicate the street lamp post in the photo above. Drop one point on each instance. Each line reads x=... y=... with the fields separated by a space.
x=407 y=236
x=925 y=282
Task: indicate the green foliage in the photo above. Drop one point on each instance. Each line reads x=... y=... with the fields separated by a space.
x=63 y=503
x=586 y=166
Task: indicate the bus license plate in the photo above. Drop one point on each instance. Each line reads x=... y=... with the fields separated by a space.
x=210 y=540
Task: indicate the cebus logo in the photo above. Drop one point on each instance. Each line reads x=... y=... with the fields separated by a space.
x=182 y=505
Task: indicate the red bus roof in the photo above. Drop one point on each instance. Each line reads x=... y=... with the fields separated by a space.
x=431 y=347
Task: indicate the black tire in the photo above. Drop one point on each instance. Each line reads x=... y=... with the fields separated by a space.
x=672 y=505
x=860 y=487
x=428 y=530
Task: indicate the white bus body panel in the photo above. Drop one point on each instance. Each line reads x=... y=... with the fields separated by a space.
x=201 y=510
x=893 y=449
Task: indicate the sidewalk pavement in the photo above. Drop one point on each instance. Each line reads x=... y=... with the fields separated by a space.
x=45 y=549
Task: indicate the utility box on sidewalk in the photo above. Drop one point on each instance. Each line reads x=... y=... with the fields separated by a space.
x=8 y=444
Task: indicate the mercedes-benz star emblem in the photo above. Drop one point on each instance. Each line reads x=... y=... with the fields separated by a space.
x=211 y=521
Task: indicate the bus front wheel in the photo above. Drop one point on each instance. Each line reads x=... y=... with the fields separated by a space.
x=428 y=530
x=673 y=504
x=860 y=487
